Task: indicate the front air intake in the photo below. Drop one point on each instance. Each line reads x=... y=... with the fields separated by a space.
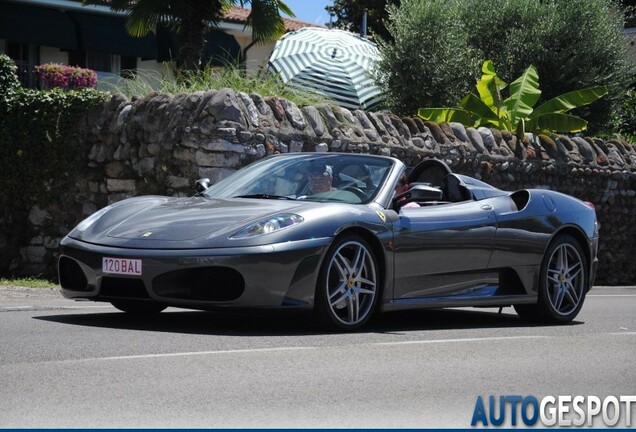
x=123 y=288
x=205 y=284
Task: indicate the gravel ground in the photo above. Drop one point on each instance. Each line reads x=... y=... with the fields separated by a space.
x=12 y=293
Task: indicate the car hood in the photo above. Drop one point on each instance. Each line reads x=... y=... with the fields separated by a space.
x=143 y=222
x=190 y=218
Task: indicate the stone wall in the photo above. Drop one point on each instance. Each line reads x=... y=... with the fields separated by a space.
x=162 y=143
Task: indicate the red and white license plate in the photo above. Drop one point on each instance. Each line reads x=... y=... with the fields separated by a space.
x=125 y=266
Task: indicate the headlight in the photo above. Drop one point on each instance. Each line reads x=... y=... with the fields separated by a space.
x=269 y=225
x=86 y=223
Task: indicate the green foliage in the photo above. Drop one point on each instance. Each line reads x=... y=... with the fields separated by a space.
x=348 y=15
x=40 y=149
x=516 y=113
x=572 y=43
x=624 y=118
x=430 y=62
x=9 y=81
x=232 y=76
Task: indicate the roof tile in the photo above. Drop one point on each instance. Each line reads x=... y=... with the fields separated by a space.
x=239 y=15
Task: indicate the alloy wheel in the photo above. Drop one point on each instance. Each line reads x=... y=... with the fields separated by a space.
x=565 y=279
x=351 y=283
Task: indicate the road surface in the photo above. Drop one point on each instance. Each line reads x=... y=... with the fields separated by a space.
x=82 y=364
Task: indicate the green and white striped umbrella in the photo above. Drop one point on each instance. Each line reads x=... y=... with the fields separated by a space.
x=334 y=63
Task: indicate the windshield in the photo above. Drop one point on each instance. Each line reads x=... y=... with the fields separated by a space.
x=313 y=177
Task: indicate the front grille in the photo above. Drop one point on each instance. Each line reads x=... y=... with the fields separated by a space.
x=71 y=275
x=127 y=288
x=206 y=284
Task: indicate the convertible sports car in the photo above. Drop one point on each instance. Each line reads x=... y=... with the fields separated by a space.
x=343 y=234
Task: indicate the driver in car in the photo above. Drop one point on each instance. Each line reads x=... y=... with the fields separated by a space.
x=320 y=178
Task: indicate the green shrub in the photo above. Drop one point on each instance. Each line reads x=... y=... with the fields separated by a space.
x=573 y=44
x=8 y=79
x=40 y=151
x=430 y=62
x=624 y=118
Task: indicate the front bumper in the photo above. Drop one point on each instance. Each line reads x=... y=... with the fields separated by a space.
x=276 y=275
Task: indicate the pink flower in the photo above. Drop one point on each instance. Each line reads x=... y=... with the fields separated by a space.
x=54 y=75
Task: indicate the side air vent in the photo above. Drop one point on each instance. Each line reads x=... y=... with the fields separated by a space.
x=71 y=275
x=521 y=199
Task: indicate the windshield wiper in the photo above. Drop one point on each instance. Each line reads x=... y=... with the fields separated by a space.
x=266 y=196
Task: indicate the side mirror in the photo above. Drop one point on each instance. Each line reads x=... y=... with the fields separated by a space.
x=201 y=185
x=418 y=192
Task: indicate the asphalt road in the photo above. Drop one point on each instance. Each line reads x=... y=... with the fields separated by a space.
x=77 y=364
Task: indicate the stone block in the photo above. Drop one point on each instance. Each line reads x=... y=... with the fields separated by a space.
x=182 y=154
x=38 y=216
x=322 y=148
x=250 y=108
x=215 y=174
x=175 y=182
x=315 y=120
x=51 y=242
x=154 y=149
x=224 y=105
x=34 y=254
x=295 y=146
x=146 y=166
x=123 y=114
x=118 y=185
x=114 y=169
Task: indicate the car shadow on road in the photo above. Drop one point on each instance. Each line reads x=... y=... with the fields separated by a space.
x=287 y=324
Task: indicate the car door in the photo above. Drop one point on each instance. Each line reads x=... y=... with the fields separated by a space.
x=442 y=249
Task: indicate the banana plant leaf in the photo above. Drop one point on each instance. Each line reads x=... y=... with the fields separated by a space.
x=473 y=104
x=571 y=100
x=524 y=94
x=556 y=122
x=490 y=85
x=438 y=115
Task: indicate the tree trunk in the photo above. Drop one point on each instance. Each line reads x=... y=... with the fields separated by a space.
x=192 y=35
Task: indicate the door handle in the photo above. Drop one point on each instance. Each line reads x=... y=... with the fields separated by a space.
x=486 y=207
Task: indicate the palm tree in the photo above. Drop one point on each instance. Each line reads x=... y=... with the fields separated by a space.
x=192 y=18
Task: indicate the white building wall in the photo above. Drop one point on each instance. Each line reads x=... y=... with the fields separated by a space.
x=53 y=55
x=257 y=56
x=152 y=65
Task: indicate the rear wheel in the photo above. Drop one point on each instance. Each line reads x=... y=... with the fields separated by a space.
x=563 y=283
x=348 y=286
x=138 y=307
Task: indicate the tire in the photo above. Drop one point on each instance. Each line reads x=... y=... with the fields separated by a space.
x=348 y=286
x=138 y=307
x=563 y=284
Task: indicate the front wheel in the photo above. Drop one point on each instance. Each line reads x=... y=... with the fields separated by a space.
x=348 y=285
x=563 y=284
x=138 y=307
